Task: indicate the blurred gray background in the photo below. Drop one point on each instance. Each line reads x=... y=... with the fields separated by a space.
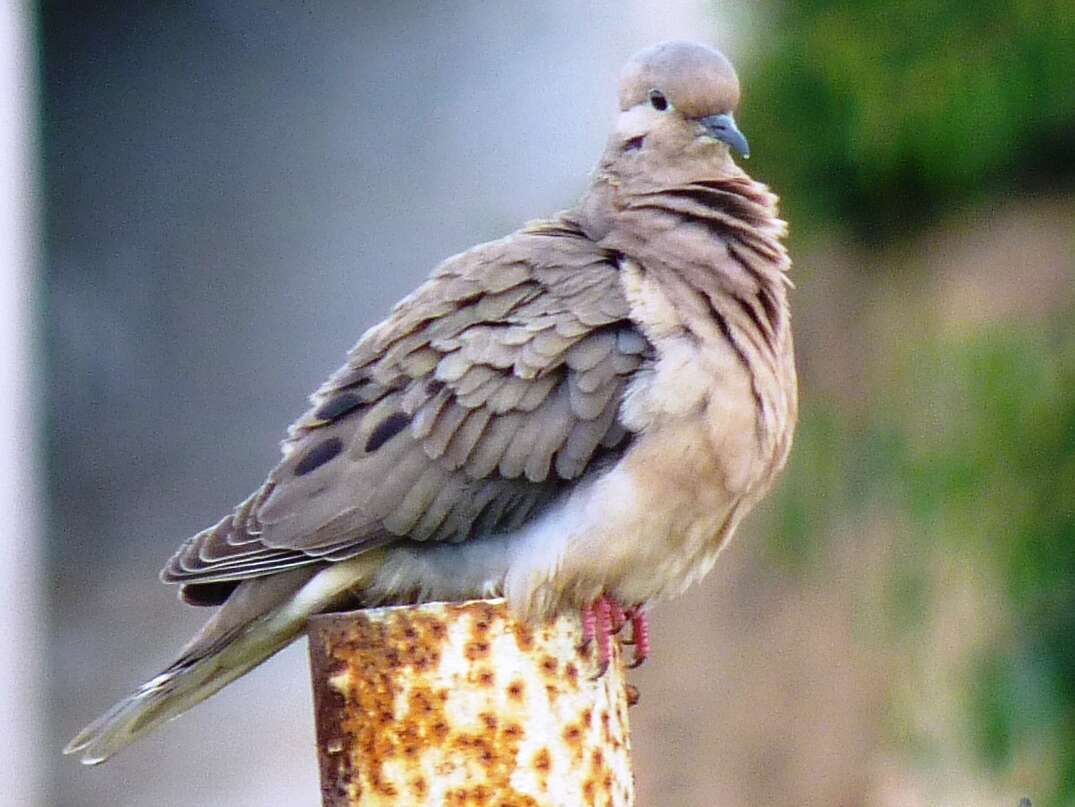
x=232 y=192
x=235 y=192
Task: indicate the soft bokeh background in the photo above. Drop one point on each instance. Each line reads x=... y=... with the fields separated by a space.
x=233 y=191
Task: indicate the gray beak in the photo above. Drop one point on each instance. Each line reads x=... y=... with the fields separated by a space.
x=723 y=128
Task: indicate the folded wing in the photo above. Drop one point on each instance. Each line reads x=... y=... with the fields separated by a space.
x=469 y=408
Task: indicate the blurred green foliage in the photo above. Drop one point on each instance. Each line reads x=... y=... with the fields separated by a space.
x=981 y=466
x=882 y=113
x=999 y=479
x=870 y=118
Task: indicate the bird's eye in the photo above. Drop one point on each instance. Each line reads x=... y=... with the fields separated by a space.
x=657 y=99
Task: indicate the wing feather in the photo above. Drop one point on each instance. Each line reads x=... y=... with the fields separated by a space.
x=474 y=404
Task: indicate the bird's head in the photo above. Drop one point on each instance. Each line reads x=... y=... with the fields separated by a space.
x=677 y=101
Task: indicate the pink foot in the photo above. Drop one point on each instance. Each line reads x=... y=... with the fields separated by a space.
x=603 y=619
x=639 y=634
x=619 y=616
x=589 y=626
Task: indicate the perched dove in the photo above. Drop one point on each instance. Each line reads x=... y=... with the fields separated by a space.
x=576 y=416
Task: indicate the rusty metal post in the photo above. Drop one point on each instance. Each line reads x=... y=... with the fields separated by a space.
x=459 y=704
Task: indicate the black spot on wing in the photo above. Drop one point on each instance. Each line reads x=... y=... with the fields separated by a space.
x=319 y=455
x=614 y=258
x=338 y=406
x=386 y=430
x=204 y=594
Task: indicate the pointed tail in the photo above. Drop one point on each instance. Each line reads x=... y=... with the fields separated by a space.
x=263 y=616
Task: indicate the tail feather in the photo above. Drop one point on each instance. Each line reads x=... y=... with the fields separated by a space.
x=168 y=695
x=262 y=617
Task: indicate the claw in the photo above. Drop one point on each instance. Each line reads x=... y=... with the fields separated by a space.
x=639 y=635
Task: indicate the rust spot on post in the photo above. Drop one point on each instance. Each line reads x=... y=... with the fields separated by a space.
x=459 y=704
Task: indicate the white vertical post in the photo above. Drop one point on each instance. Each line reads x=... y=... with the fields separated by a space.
x=20 y=573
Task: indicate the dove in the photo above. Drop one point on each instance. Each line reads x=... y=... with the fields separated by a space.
x=574 y=417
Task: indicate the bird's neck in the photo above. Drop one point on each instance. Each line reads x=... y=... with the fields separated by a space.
x=715 y=240
x=719 y=232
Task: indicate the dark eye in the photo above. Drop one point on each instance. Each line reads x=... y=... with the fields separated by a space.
x=660 y=103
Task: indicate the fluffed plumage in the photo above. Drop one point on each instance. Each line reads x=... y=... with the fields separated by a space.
x=587 y=406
